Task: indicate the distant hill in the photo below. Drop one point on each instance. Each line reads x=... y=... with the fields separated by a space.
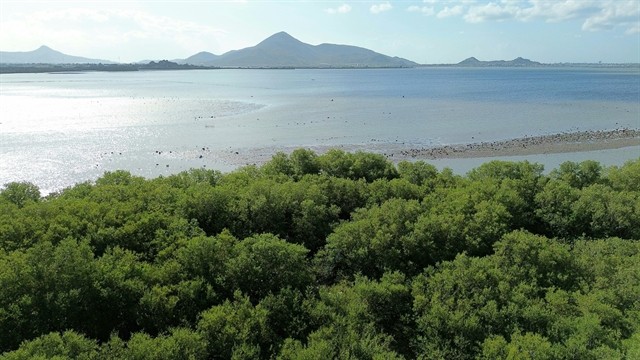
x=46 y=55
x=283 y=50
x=201 y=58
x=517 y=62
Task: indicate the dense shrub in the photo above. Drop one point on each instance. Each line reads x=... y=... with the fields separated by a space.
x=337 y=255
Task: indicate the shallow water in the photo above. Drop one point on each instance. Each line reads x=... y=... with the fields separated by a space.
x=59 y=129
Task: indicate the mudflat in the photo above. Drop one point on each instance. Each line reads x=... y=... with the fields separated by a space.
x=543 y=144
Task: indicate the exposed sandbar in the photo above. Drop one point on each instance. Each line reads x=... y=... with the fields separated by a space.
x=533 y=145
x=568 y=142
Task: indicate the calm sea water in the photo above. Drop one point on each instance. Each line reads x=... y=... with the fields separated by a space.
x=59 y=129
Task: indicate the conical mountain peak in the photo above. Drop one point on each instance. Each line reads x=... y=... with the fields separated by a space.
x=283 y=50
x=281 y=38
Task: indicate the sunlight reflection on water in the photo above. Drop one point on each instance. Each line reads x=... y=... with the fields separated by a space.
x=56 y=130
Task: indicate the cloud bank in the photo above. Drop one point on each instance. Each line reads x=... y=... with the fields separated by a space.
x=595 y=15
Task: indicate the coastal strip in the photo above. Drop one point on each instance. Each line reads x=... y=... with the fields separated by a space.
x=567 y=142
x=531 y=145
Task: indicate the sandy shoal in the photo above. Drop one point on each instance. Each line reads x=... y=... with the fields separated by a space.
x=543 y=144
x=568 y=142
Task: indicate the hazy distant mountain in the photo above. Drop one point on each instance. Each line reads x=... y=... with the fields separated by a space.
x=470 y=62
x=201 y=58
x=517 y=62
x=283 y=50
x=45 y=55
x=278 y=50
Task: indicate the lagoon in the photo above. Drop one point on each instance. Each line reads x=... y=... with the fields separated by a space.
x=60 y=129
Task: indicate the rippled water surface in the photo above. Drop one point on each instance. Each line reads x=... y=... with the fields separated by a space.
x=59 y=129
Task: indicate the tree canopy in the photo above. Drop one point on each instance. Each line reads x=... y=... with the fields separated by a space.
x=339 y=255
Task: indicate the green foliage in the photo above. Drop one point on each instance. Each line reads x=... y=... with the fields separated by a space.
x=626 y=177
x=578 y=175
x=359 y=165
x=418 y=173
x=301 y=162
x=382 y=190
x=46 y=288
x=264 y=264
x=339 y=255
x=529 y=346
x=180 y=344
x=533 y=286
x=208 y=206
x=361 y=320
x=554 y=207
x=68 y=345
x=20 y=193
x=523 y=178
x=603 y=212
x=340 y=342
x=120 y=284
x=377 y=239
x=287 y=315
x=235 y=329
x=468 y=218
x=304 y=162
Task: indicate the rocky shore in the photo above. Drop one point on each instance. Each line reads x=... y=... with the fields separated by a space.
x=544 y=144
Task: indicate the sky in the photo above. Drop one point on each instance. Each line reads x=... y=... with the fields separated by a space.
x=424 y=31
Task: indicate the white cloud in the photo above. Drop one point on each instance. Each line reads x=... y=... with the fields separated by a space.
x=491 y=11
x=595 y=14
x=633 y=30
x=378 y=8
x=619 y=13
x=450 y=11
x=553 y=11
x=342 y=9
x=426 y=10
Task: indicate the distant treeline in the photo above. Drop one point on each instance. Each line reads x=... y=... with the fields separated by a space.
x=47 y=68
x=334 y=256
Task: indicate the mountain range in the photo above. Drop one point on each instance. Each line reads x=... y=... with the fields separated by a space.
x=517 y=62
x=280 y=50
x=283 y=50
x=277 y=51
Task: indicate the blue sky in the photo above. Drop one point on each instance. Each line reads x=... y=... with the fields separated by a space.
x=425 y=31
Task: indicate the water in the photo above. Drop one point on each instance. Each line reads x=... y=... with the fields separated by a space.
x=59 y=129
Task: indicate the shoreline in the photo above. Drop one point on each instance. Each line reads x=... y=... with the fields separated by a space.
x=530 y=145
x=568 y=142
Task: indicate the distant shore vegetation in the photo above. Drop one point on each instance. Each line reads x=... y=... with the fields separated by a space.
x=169 y=65
x=62 y=68
x=333 y=256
